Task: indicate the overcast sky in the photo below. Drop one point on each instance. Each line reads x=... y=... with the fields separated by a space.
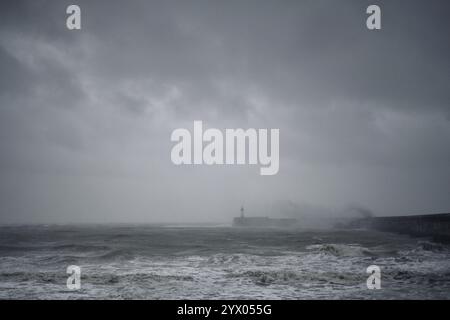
x=86 y=116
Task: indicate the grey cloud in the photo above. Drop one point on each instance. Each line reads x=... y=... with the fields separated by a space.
x=86 y=116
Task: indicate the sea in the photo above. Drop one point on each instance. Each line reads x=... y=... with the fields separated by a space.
x=217 y=262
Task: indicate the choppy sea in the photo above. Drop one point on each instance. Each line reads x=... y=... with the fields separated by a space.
x=187 y=262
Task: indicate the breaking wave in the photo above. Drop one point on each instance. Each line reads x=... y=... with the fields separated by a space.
x=158 y=263
x=340 y=250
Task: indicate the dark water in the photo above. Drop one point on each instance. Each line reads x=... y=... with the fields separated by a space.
x=153 y=262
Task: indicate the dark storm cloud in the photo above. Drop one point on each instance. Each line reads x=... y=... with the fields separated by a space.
x=86 y=116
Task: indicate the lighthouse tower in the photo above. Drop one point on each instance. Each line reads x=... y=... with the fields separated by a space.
x=242 y=212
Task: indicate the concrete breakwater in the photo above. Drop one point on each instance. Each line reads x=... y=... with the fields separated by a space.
x=436 y=226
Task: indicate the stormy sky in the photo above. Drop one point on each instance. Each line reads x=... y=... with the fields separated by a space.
x=86 y=116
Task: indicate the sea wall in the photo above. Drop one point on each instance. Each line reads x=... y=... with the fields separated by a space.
x=436 y=226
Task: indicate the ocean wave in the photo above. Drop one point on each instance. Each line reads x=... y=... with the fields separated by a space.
x=237 y=258
x=27 y=276
x=116 y=254
x=133 y=278
x=51 y=247
x=263 y=277
x=430 y=246
x=194 y=264
x=80 y=247
x=340 y=250
x=298 y=278
x=22 y=248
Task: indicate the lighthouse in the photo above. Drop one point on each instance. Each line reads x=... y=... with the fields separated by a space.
x=242 y=212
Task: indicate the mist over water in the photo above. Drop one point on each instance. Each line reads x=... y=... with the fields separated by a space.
x=175 y=262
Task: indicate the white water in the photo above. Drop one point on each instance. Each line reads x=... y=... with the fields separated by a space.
x=218 y=263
